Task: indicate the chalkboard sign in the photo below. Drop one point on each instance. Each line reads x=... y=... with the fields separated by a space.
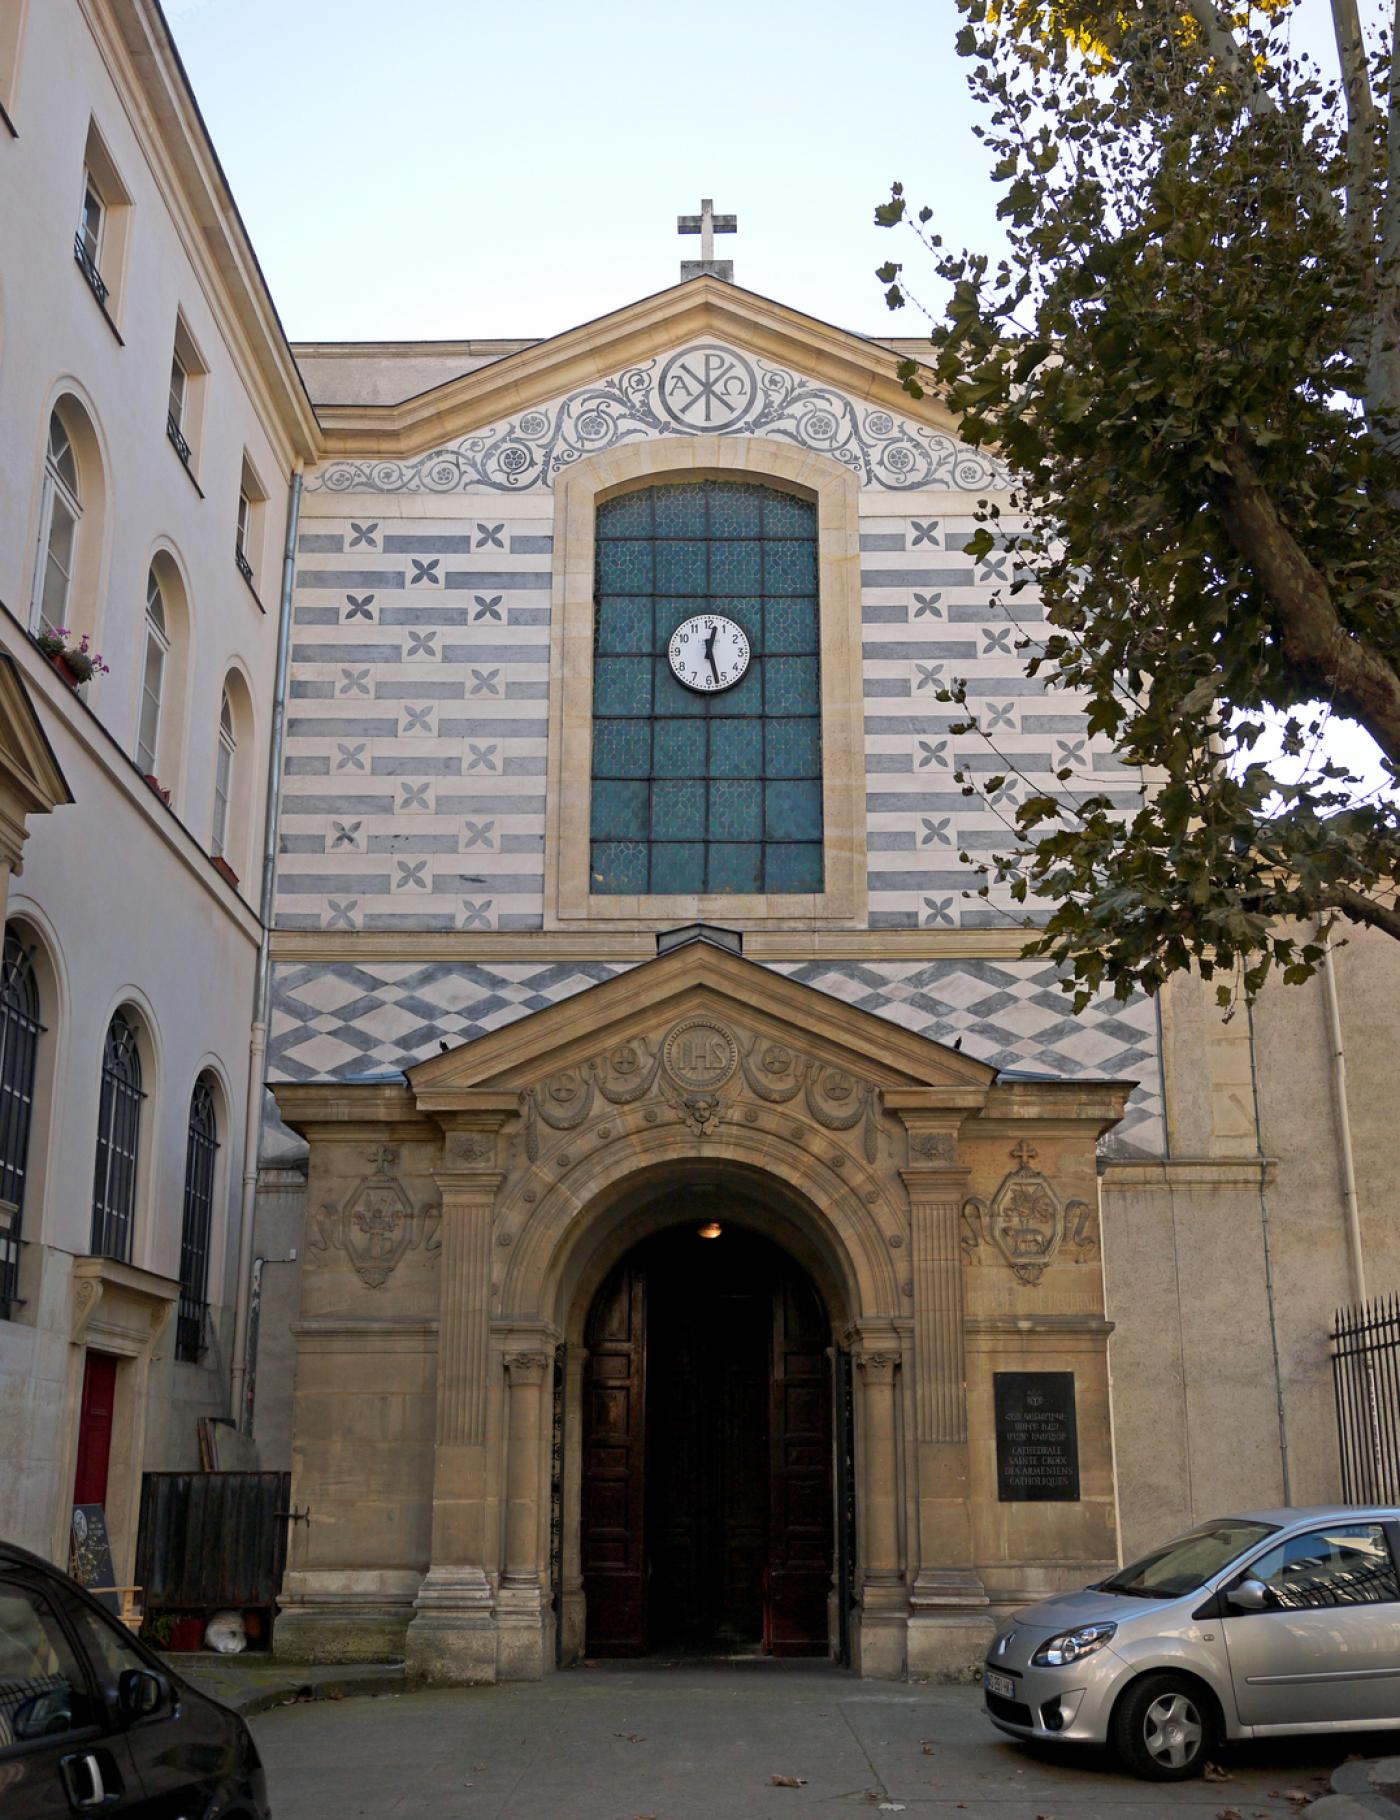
x=1037 y=1444
x=90 y=1554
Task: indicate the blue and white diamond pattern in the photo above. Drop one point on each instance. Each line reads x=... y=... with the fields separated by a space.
x=344 y=1020
x=1013 y=1015
x=341 y=1021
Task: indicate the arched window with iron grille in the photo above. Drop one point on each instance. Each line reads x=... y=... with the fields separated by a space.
x=200 y=1151
x=118 y=1142
x=20 y=1030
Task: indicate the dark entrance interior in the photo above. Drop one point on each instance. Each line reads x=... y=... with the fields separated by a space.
x=707 y=1452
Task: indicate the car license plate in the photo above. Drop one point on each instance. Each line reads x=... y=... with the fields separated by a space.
x=998 y=1684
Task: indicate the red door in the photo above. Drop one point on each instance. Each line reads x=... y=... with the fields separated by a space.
x=95 y=1429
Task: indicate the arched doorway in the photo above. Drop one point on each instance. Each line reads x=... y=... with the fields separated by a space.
x=708 y=1471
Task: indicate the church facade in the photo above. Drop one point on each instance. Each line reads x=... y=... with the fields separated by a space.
x=681 y=1218
x=507 y=785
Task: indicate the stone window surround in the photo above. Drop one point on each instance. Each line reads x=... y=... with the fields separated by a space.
x=568 y=903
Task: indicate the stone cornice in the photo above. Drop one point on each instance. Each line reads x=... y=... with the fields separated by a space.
x=1229 y=1174
x=774 y=942
x=146 y=69
x=1056 y=1104
x=375 y=1109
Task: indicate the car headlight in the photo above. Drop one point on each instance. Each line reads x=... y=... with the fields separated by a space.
x=1072 y=1645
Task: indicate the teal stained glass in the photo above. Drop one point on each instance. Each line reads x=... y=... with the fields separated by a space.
x=792 y=866
x=790 y=686
x=679 y=748
x=619 y=867
x=620 y=810
x=793 y=748
x=622 y=748
x=696 y=793
x=623 y=624
x=622 y=686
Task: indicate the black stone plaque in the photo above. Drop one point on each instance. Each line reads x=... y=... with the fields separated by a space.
x=1037 y=1444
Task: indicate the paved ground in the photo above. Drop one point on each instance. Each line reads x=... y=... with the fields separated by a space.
x=703 y=1743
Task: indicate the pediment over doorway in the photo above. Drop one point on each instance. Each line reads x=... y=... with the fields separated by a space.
x=777 y=1034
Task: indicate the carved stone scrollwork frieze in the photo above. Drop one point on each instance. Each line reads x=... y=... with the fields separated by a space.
x=1026 y=1221
x=562 y=1102
x=840 y=1102
x=628 y=1072
x=377 y=1224
x=772 y=1072
x=706 y=1074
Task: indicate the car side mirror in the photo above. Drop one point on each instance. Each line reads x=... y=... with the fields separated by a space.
x=141 y=1692
x=1249 y=1595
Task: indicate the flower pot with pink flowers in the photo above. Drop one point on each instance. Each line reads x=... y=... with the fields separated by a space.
x=74 y=659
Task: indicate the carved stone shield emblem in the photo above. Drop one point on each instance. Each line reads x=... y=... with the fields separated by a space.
x=1024 y=1220
x=376 y=1224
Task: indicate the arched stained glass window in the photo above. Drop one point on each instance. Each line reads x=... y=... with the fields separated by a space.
x=118 y=1142
x=706 y=792
x=20 y=1030
x=201 y=1148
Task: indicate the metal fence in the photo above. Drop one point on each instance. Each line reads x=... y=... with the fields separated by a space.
x=1366 y=1382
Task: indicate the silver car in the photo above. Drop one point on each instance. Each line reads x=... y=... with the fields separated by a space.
x=1272 y=1622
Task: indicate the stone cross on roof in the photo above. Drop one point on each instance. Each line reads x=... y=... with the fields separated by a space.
x=707 y=224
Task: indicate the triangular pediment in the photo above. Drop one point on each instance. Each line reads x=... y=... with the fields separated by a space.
x=27 y=761
x=697 y=981
x=700 y=309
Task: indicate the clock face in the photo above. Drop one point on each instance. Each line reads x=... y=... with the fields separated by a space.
x=708 y=653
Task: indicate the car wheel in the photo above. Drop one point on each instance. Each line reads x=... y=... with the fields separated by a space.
x=1163 y=1728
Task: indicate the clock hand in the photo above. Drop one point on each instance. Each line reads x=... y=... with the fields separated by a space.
x=710 y=652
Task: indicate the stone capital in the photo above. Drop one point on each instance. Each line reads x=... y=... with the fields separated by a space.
x=468 y=1187
x=527 y=1367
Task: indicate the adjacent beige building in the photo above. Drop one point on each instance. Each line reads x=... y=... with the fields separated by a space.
x=686 y=1222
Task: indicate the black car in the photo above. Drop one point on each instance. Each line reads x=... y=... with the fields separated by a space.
x=92 y=1722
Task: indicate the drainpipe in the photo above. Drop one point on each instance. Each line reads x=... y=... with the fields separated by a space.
x=1285 y=1470
x=240 y=1403
x=1350 y=1204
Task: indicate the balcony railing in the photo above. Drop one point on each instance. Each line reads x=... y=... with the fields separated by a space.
x=245 y=568
x=172 y=430
x=89 y=269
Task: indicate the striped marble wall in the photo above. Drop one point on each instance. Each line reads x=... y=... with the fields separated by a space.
x=414 y=780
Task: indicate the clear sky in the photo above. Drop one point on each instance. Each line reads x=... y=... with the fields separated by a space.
x=455 y=168
x=451 y=168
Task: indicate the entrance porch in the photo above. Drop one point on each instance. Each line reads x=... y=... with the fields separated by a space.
x=538 y=1415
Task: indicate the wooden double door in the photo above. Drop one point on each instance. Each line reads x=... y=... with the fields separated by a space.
x=707 y=1512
